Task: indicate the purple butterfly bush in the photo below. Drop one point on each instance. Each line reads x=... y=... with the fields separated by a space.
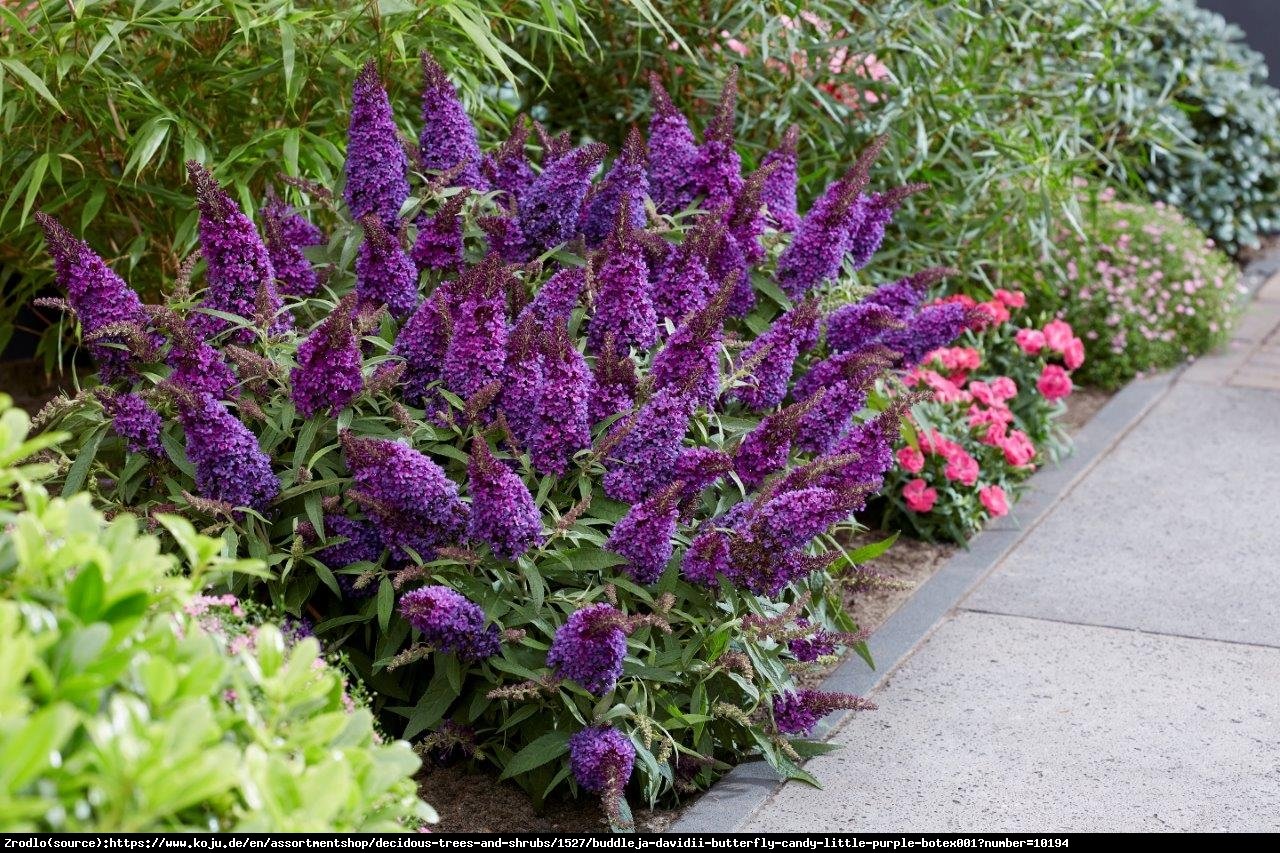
x=690 y=358
x=717 y=169
x=623 y=309
x=438 y=243
x=359 y=543
x=522 y=378
x=385 y=275
x=448 y=138
x=562 y=424
x=328 y=376
x=644 y=535
x=503 y=514
x=779 y=192
x=589 y=647
x=844 y=380
x=869 y=448
x=768 y=446
x=859 y=325
x=478 y=343
x=376 y=167
x=287 y=234
x=864 y=241
x=673 y=153
x=683 y=284
x=558 y=296
x=551 y=209
x=601 y=759
x=194 y=364
x=622 y=192
x=230 y=465
x=422 y=342
x=798 y=712
x=649 y=444
x=934 y=326
x=507 y=169
x=769 y=361
x=409 y=499
x=238 y=265
x=707 y=557
x=136 y=422
x=450 y=623
x=615 y=382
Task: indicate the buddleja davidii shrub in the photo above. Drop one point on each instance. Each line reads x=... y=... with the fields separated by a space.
x=125 y=707
x=539 y=463
x=990 y=421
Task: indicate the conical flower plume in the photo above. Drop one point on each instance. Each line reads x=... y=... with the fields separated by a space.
x=820 y=241
x=673 y=154
x=768 y=362
x=935 y=326
x=478 y=345
x=718 y=168
x=503 y=514
x=691 y=357
x=136 y=422
x=550 y=211
x=616 y=380
x=562 y=426
x=422 y=343
x=448 y=138
x=100 y=298
x=684 y=284
x=589 y=647
x=864 y=241
x=797 y=713
x=438 y=244
x=644 y=535
x=230 y=466
x=779 y=191
x=646 y=453
x=507 y=169
x=853 y=328
x=622 y=309
x=869 y=447
x=288 y=233
x=194 y=364
x=767 y=447
x=377 y=168
x=625 y=186
x=450 y=622
x=328 y=375
x=407 y=496
x=844 y=380
x=238 y=265
x=522 y=378
x=558 y=296
x=601 y=759
x=384 y=273
x=746 y=219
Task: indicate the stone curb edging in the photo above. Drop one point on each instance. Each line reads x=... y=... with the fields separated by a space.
x=733 y=800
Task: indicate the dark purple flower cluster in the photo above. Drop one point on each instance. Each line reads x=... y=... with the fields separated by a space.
x=697 y=468
x=589 y=647
x=377 y=168
x=615 y=382
x=717 y=171
x=673 y=153
x=768 y=362
x=646 y=453
x=197 y=366
x=359 y=544
x=478 y=344
x=624 y=189
x=767 y=447
x=385 y=275
x=810 y=647
x=779 y=194
x=561 y=424
x=136 y=422
x=601 y=759
x=878 y=210
x=450 y=622
x=552 y=208
x=797 y=713
x=447 y=139
x=683 y=284
x=438 y=244
x=690 y=360
x=503 y=514
x=558 y=296
x=507 y=169
x=422 y=343
x=328 y=376
x=623 y=307
x=288 y=233
x=935 y=326
x=644 y=535
x=230 y=466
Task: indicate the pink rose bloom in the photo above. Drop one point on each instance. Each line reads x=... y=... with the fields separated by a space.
x=993 y=498
x=1058 y=335
x=1031 y=340
x=1018 y=449
x=962 y=467
x=1004 y=388
x=982 y=392
x=967 y=358
x=1073 y=355
x=1054 y=382
x=1011 y=298
x=995 y=311
x=997 y=433
x=911 y=460
x=919 y=497
x=944 y=390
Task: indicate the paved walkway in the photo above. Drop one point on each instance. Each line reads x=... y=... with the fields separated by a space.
x=1120 y=667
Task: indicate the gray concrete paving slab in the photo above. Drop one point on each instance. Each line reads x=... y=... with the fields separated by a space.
x=1002 y=723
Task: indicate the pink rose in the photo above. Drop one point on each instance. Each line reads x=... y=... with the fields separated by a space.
x=1011 y=298
x=1031 y=340
x=911 y=460
x=994 y=415
x=982 y=392
x=1073 y=354
x=944 y=390
x=1018 y=449
x=995 y=311
x=1058 y=335
x=993 y=498
x=962 y=467
x=967 y=358
x=997 y=433
x=1054 y=383
x=919 y=497
x=1004 y=388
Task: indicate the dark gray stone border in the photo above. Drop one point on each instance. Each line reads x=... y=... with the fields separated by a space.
x=732 y=801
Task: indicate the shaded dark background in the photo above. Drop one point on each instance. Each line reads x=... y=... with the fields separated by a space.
x=1260 y=20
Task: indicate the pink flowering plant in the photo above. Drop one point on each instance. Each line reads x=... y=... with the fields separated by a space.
x=556 y=452
x=1145 y=288
x=990 y=420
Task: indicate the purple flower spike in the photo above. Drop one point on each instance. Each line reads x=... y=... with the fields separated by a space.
x=615 y=382
x=328 y=375
x=503 y=515
x=198 y=367
x=562 y=426
x=448 y=139
x=706 y=557
x=438 y=245
x=589 y=647
x=230 y=466
x=450 y=622
x=384 y=273
x=601 y=759
x=864 y=241
x=377 y=168
x=422 y=343
x=767 y=447
x=673 y=154
x=691 y=357
x=644 y=535
x=797 y=713
x=360 y=545
x=789 y=520
x=904 y=296
x=627 y=183
x=623 y=309
x=238 y=264
x=288 y=233
x=853 y=328
x=935 y=326
x=869 y=446
x=522 y=378
x=550 y=211
x=699 y=467
x=779 y=193
x=136 y=422
x=844 y=380
x=683 y=284
x=718 y=168
x=100 y=298
x=407 y=496
x=478 y=346
x=646 y=454
x=508 y=169
x=770 y=359
x=820 y=241
x=558 y=296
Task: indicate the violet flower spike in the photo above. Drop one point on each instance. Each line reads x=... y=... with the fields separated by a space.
x=624 y=189
x=797 y=713
x=622 y=310
x=507 y=169
x=328 y=376
x=478 y=343
x=438 y=243
x=288 y=233
x=562 y=426
x=551 y=209
x=422 y=343
x=448 y=138
x=230 y=465
x=136 y=422
x=673 y=154
x=589 y=647
x=503 y=514
x=718 y=168
x=377 y=167
x=643 y=459
x=779 y=192
x=450 y=622
x=384 y=273
x=644 y=536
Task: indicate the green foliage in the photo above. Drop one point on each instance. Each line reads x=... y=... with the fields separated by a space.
x=120 y=714
x=101 y=103
x=1145 y=289
x=1223 y=171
